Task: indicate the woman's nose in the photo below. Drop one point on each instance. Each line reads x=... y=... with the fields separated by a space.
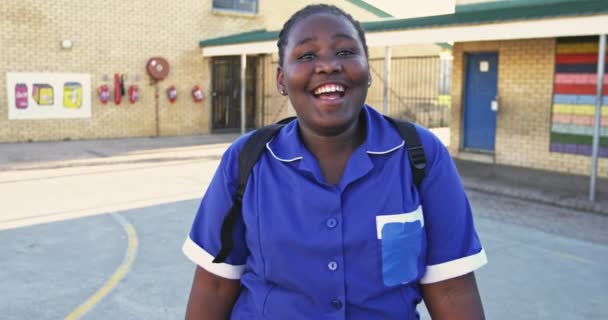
x=328 y=65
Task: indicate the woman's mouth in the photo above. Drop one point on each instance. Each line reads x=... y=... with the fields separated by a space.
x=330 y=91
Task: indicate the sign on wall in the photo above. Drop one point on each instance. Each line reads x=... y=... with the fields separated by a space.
x=48 y=95
x=574 y=94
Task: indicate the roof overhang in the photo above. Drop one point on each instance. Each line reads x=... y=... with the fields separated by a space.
x=241 y=48
x=528 y=29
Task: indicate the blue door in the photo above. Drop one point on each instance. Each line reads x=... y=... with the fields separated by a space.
x=481 y=89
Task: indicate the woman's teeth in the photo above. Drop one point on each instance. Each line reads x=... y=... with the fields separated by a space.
x=330 y=88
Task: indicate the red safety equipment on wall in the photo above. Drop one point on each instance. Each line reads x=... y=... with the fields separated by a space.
x=133 y=93
x=197 y=95
x=117 y=90
x=104 y=93
x=172 y=93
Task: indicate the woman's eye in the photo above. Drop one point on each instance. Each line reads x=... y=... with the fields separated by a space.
x=306 y=56
x=345 y=52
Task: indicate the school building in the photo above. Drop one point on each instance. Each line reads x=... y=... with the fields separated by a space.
x=59 y=57
x=514 y=80
x=524 y=77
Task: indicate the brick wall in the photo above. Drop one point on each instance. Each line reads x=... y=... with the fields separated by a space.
x=117 y=36
x=525 y=85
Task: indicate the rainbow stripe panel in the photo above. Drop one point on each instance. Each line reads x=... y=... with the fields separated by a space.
x=574 y=94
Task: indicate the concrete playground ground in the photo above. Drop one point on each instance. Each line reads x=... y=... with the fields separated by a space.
x=93 y=230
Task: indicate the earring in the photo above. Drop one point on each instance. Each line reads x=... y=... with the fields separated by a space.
x=283 y=93
x=369 y=83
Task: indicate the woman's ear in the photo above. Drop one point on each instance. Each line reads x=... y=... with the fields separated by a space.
x=281 y=81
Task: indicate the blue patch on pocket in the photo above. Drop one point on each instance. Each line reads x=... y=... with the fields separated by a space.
x=401 y=244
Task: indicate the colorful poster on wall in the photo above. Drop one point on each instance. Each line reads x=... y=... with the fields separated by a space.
x=574 y=95
x=48 y=95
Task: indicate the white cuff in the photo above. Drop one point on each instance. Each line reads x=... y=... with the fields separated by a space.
x=201 y=257
x=454 y=268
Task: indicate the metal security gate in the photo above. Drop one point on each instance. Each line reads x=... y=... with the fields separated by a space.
x=274 y=106
x=419 y=89
x=226 y=93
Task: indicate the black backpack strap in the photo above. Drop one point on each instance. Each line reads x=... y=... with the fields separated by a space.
x=249 y=155
x=414 y=148
x=286 y=120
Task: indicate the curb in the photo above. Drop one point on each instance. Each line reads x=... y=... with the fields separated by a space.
x=574 y=202
x=536 y=196
x=93 y=163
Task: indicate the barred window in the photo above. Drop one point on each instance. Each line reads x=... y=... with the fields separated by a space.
x=236 y=5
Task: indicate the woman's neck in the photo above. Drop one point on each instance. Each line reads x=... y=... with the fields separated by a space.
x=333 y=151
x=333 y=145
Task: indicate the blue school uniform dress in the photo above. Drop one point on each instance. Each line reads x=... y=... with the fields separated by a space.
x=306 y=249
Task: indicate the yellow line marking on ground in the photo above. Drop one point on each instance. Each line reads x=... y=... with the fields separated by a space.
x=571 y=257
x=118 y=275
x=543 y=250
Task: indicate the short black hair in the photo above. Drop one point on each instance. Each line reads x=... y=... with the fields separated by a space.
x=312 y=10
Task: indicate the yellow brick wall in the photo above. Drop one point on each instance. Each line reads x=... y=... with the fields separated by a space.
x=116 y=36
x=523 y=124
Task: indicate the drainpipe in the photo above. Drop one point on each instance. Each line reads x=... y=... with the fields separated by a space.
x=387 y=76
x=598 y=115
x=243 y=67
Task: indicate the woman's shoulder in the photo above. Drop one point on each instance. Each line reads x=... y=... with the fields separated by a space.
x=430 y=141
x=434 y=149
x=230 y=158
x=428 y=137
x=237 y=145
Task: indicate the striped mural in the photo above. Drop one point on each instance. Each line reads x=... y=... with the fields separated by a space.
x=574 y=94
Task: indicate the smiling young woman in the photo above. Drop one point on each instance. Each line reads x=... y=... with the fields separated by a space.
x=325 y=72
x=332 y=225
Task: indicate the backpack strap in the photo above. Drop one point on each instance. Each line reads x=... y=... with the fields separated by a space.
x=414 y=148
x=249 y=155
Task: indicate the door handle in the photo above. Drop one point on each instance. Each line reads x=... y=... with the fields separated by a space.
x=494 y=104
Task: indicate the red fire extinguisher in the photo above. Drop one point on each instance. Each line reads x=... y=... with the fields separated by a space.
x=104 y=93
x=197 y=95
x=117 y=89
x=133 y=93
x=172 y=93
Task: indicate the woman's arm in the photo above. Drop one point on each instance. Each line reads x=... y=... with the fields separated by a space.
x=454 y=299
x=211 y=296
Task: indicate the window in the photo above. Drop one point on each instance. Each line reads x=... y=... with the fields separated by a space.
x=236 y=5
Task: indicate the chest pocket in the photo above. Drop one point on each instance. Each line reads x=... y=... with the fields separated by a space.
x=402 y=240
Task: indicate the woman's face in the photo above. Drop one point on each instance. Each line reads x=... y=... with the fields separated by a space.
x=325 y=73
